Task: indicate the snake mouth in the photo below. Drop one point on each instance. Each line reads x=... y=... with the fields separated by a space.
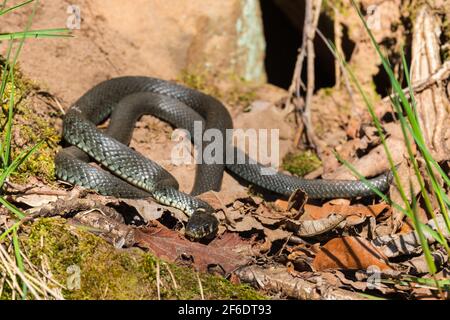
x=202 y=225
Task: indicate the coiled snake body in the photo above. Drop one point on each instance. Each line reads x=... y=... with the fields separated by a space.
x=126 y=99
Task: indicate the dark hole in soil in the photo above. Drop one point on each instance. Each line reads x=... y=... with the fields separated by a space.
x=348 y=46
x=324 y=64
x=283 y=29
x=381 y=79
x=382 y=83
x=282 y=41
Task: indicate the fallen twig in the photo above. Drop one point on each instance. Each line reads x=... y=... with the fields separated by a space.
x=158 y=280
x=440 y=75
x=279 y=280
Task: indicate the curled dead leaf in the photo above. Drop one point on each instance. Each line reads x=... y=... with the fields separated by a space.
x=36 y=200
x=150 y=210
x=297 y=201
x=409 y=243
x=311 y=228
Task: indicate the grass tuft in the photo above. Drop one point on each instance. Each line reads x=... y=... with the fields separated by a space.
x=19 y=277
x=405 y=109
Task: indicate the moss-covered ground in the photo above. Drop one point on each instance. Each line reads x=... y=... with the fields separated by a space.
x=229 y=88
x=106 y=272
x=301 y=162
x=29 y=128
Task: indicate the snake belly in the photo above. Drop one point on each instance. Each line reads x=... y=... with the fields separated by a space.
x=132 y=175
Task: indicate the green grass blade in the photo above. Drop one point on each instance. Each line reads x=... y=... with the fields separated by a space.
x=423 y=241
x=414 y=129
x=7 y=166
x=19 y=214
x=5 y=78
x=22 y=40
x=376 y=121
x=19 y=262
x=405 y=128
x=5 y=11
x=17 y=162
x=10 y=229
x=45 y=33
x=7 y=140
x=7 y=143
x=429 y=282
x=429 y=161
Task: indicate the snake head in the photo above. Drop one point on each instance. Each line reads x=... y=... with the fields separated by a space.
x=201 y=225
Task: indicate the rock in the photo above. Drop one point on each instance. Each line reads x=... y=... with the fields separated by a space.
x=141 y=37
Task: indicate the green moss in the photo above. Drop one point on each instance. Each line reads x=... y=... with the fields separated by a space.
x=199 y=81
x=343 y=7
x=110 y=273
x=232 y=90
x=29 y=128
x=301 y=163
x=328 y=92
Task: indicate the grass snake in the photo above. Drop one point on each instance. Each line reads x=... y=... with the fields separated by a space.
x=124 y=100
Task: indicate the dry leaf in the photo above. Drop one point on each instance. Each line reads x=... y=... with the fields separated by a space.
x=228 y=251
x=297 y=201
x=151 y=210
x=315 y=212
x=246 y=224
x=36 y=200
x=282 y=204
x=288 y=284
x=213 y=199
x=349 y=253
x=277 y=234
x=418 y=265
x=311 y=228
x=408 y=243
x=302 y=257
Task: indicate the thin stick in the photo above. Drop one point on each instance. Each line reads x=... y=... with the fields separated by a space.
x=443 y=73
x=20 y=190
x=158 y=280
x=7 y=270
x=314 y=8
x=42 y=273
x=175 y=285
x=200 y=286
x=338 y=43
x=58 y=104
x=7 y=261
x=296 y=82
x=312 y=13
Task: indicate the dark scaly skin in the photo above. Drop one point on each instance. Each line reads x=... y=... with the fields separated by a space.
x=125 y=100
x=135 y=176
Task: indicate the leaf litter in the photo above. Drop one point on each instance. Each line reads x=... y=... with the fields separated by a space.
x=321 y=244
